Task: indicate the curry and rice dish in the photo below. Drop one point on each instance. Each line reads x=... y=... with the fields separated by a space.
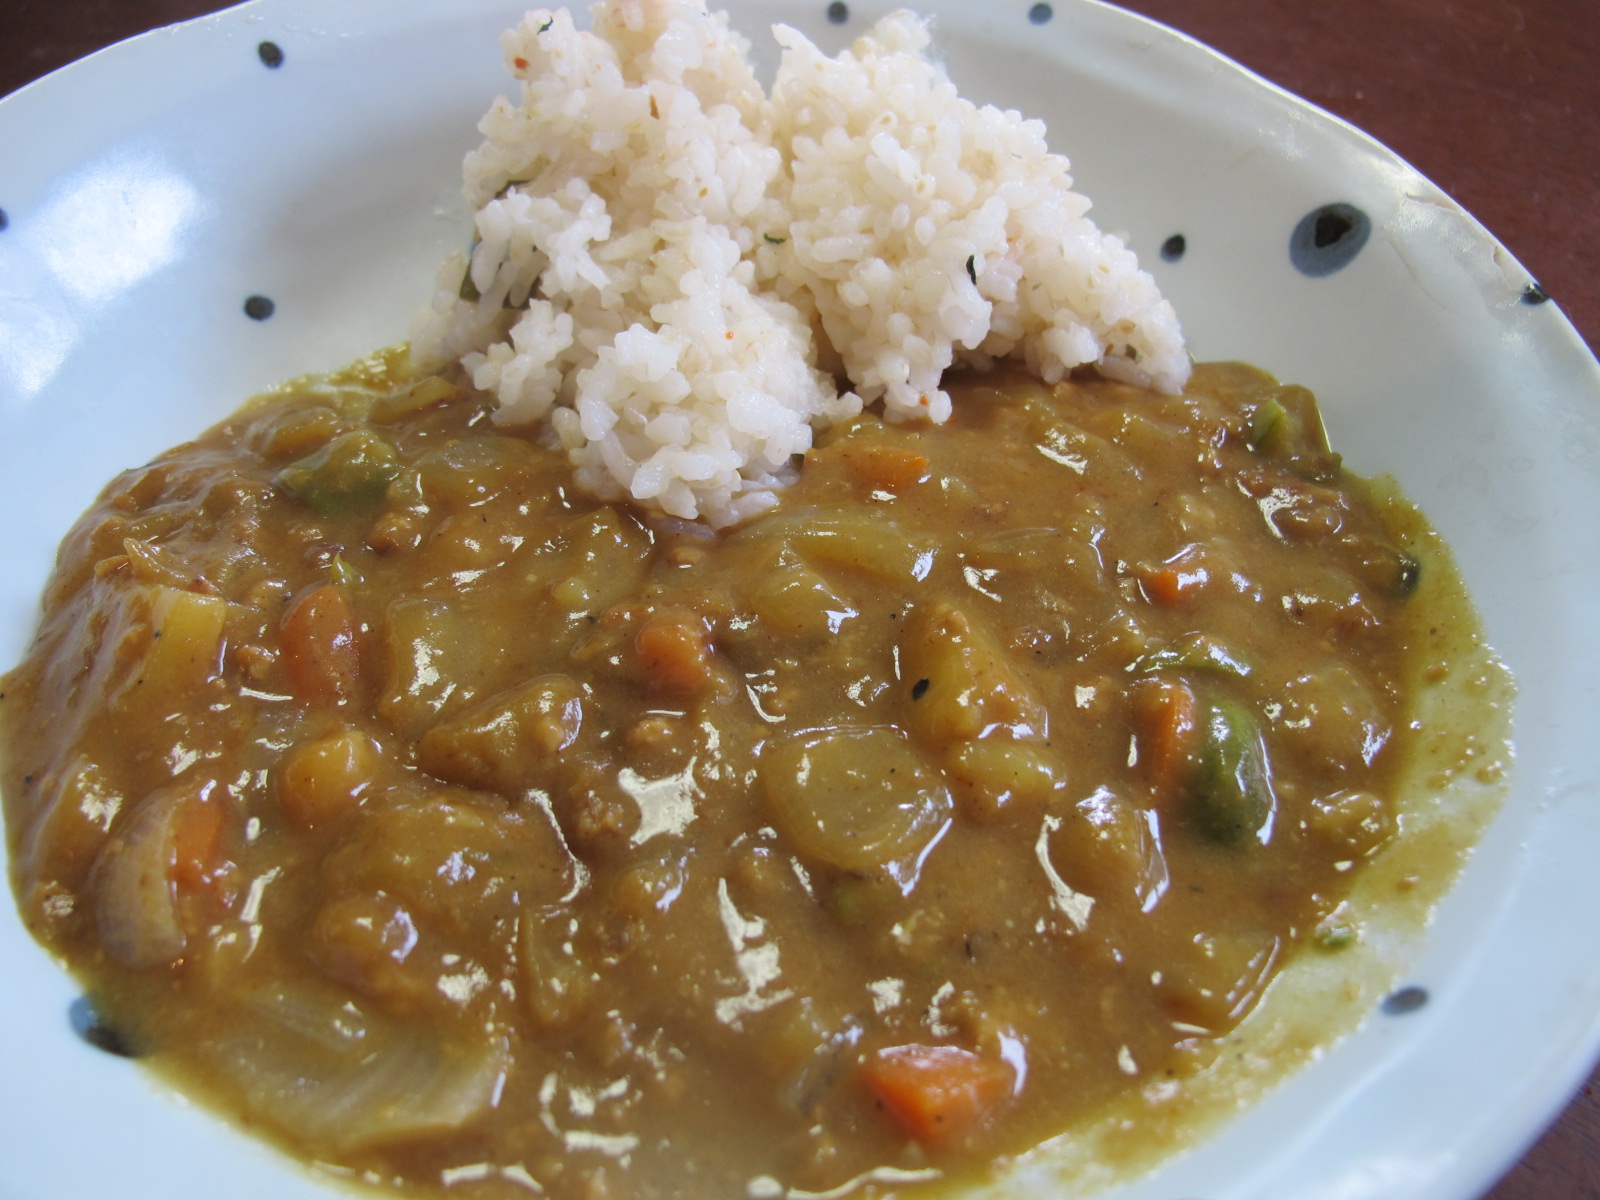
x=471 y=804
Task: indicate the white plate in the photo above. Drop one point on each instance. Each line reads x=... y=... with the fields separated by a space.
x=152 y=188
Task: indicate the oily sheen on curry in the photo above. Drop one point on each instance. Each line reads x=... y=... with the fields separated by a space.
x=419 y=810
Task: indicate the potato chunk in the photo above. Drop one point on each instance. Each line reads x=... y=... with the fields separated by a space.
x=963 y=685
x=859 y=799
x=506 y=743
x=326 y=777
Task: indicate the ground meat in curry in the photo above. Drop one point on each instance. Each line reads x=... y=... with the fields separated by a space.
x=464 y=831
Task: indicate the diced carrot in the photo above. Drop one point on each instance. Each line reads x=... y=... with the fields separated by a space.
x=1169 y=729
x=320 y=646
x=197 y=827
x=675 y=652
x=886 y=468
x=1175 y=581
x=1161 y=585
x=938 y=1093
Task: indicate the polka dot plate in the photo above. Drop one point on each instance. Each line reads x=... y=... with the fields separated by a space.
x=203 y=212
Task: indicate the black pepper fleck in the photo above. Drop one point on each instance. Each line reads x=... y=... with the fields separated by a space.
x=838 y=12
x=920 y=688
x=271 y=54
x=1172 y=249
x=1040 y=13
x=1532 y=294
x=258 y=308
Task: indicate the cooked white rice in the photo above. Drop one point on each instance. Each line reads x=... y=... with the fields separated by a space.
x=665 y=254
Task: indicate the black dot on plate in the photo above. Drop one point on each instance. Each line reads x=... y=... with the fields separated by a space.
x=258 y=308
x=1532 y=294
x=271 y=53
x=1327 y=238
x=1406 y=1000
x=1040 y=13
x=838 y=12
x=87 y=1025
x=1172 y=249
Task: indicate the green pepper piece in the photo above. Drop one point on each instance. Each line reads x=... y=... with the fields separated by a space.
x=342 y=573
x=1232 y=797
x=1335 y=935
x=350 y=472
x=1288 y=429
x=1193 y=652
x=1267 y=418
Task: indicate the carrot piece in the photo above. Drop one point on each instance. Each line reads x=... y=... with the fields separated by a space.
x=886 y=468
x=320 y=648
x=196 y=837
x=1161 y=585
x=1169 y=731
x=675 y=651
x=938 y=1093
x=1175 y=581
x=199 y=866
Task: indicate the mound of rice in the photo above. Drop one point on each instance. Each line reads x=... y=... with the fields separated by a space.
x=673 y=267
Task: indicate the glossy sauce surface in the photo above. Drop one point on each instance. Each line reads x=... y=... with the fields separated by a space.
x=462 y=831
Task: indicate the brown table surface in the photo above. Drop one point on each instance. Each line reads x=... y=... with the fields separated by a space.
x=1496 y=101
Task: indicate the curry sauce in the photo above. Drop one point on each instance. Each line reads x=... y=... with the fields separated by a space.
x=473 y=835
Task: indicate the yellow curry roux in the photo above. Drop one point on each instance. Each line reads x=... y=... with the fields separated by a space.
x=474 y=835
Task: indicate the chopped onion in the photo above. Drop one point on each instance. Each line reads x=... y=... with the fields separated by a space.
x=341 y=1079
x=136 y=904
